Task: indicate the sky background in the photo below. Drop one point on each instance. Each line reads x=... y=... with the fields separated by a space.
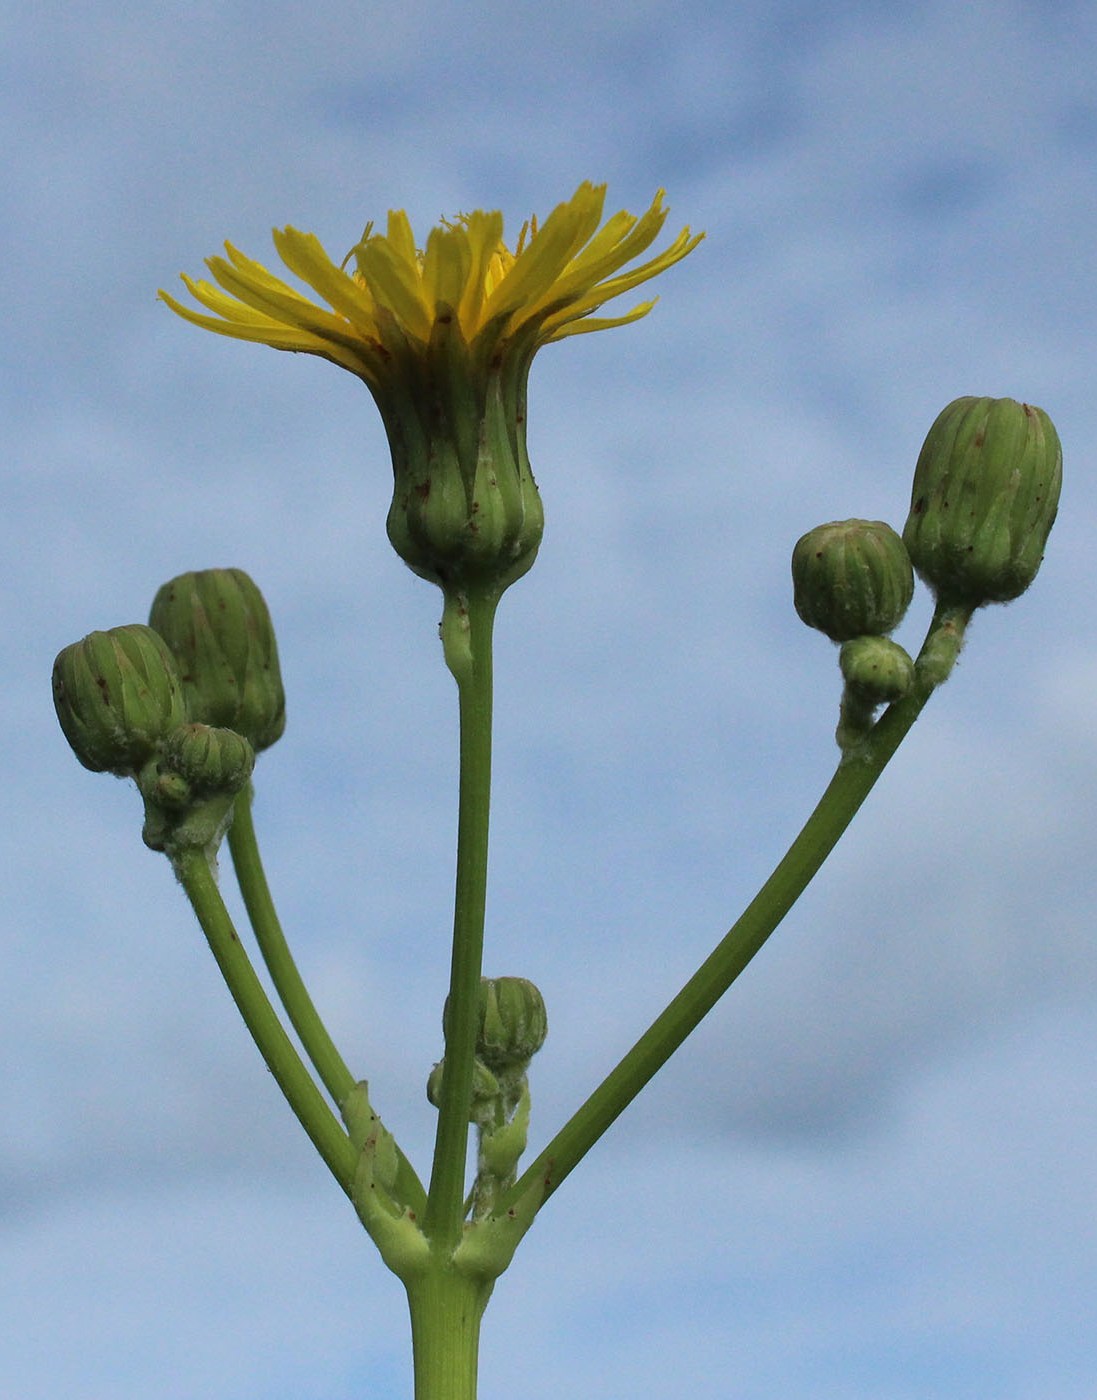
x=871 y=1174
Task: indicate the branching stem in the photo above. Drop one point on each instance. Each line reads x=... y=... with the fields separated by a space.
x=857 y=771
x=288 y=983
x=196 y=876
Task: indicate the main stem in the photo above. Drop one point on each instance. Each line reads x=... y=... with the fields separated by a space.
x=446 y=1310
x=466 y=636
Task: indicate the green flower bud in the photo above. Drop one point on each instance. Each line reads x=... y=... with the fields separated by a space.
x=217 y=624
x=851 y=578
x=485 y=1088
x=513 y=1022
x=117 y=696
x=877 y=667
x=190 y=791
x=986 y=491
x=209 y=760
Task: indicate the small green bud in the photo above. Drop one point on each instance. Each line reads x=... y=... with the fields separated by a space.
x=851 y=578
x=217 y=624
x=117 y=696
x=877 y=667
x=986 y=492
x=209 y=760
x=190 y=791
x=513 y=1022
x=485 y=1088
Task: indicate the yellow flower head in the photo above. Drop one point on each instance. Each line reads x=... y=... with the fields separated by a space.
x=559 y=273
x=443 y=337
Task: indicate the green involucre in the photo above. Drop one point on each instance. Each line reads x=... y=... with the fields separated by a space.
x=511 y=1022
x=465 y=509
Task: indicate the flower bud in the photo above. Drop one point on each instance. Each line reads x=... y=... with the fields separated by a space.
x=190 y=791
x=217 y=624
x=851 y=578
x=986 y=491
x=485 y=1087
x=208 y=760
x=117 y=695
x=877 y=667
x=513 y=1023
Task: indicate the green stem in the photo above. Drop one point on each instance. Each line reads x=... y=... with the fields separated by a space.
x=466 y=635
x=446 y=1309
x=193 y=870
x=305 y=1019
x=288 y=983
x=857 y=772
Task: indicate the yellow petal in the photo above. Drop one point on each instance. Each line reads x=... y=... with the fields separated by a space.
x=603 y=256
x=550 y=249
x=560 y=329
x=560 y=272
x=395 y=284
x=485 y=234
x=304 y=255
x=446 y=266
x=279 y=337
x=224 y=305
x=268 y=310
x=400 y=236
x=267 y=294
x=615 y=286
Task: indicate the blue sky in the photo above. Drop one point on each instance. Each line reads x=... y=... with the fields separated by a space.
x=870 y=1174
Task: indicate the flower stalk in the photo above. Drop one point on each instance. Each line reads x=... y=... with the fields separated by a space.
x=853 y=780
x=194 y=872
x=467 y=626
x=288 y=983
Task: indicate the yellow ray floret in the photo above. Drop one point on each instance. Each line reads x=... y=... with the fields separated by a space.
x=558 y=274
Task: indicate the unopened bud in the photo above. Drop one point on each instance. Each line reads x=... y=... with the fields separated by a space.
x=513 y=1022
x=191 y=789
x=877 y=667
x=217 y=625
x=851 y=578
x=209 y=760
x=485 y=1087
x=117 y=695
x=986 y=492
